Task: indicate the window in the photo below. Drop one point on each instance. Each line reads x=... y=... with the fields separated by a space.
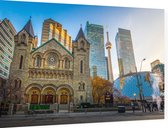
x=23 y=39
x=1 y=71
x=52 y=60
x=38 y=61
x=5 y=39
x=81 y=86
x=17 y=83
x=82 y=45
x=5 y=74
x=81 y=66
x=81 y=98
x=67 y=63
x=21 y=62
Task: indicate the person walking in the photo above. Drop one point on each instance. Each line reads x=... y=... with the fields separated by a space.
x=149 y=107
x=162 y=106
x=133 y=107
x=145 y=106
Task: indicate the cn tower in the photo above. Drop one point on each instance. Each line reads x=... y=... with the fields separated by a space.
x=110 y=70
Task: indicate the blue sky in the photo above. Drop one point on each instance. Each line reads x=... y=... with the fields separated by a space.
x=146 y=25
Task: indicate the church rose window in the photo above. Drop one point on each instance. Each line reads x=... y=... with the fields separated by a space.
x=52 y=60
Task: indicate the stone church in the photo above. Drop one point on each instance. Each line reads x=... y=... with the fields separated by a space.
x=50 y=73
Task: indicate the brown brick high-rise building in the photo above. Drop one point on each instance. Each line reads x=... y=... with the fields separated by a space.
x=52 y=29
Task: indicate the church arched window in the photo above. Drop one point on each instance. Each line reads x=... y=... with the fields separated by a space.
x=23 y=39
x=82 y=45
x=81 y=86
x=81 y=98
x=17 y=83
x=81 y=66
x=21 y=62
x=38 y=61
x=67 y=63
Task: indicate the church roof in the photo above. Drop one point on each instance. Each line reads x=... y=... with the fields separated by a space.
x=29 y=28
x=80 y=34
x=55 y=42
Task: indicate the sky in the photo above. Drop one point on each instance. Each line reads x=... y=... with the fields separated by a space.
x=146 y=25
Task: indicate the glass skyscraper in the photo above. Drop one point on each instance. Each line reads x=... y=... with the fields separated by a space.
x=125 y=52
x=95 y=36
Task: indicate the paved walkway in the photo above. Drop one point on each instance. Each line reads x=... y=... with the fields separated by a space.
x=74 y=114
x=74 y=118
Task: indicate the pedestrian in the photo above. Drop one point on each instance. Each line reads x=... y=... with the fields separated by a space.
x=162 y=106
x=133 y=107
x=145 y=105
x=152 y=106
x=149 y=107
x=14 y=109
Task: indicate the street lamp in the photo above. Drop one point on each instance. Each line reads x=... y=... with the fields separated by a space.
x=139 y=84
x=140 y=89
x=143 y=98
x=134 y=96
x=141 y=63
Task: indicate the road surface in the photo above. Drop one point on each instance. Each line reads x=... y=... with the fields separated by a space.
x=74 y=118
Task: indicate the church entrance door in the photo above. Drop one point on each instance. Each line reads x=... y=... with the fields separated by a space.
x=64 y=99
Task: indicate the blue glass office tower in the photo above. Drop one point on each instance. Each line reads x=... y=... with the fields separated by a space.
x=125 y=52
x=95 y=36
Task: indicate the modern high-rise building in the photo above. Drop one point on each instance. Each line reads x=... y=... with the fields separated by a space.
x=125 y=52
x=7 y=32
x=52 y=29
x=95 y=36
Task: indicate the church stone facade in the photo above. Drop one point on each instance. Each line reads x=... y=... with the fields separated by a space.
x=50 y=73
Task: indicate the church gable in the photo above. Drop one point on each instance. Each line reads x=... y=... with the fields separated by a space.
x=52 y=44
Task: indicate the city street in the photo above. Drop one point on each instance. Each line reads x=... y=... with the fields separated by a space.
x=72 y=118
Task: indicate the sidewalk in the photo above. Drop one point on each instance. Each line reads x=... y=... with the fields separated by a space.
x=69 y=115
